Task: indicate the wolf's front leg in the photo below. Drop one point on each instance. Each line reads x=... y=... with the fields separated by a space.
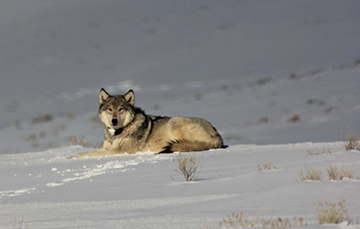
x=93 y=154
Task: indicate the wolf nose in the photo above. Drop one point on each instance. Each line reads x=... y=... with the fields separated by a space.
x=114 y=121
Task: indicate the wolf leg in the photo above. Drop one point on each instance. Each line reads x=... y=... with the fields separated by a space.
x=93 y=154
x=192 y=134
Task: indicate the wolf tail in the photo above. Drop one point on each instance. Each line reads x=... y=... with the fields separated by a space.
x=187 y=146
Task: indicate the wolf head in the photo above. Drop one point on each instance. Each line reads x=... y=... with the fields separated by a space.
x=116 y=111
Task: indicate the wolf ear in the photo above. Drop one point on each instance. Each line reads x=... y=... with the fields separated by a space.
x=103 y=96
x=130 y=97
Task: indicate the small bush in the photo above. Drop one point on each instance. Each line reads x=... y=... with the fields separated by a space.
x=324 y=151
x=239 y=221
x=353 y=140
x=267 y=166
x=19 y=224
x=81 y=143
x=330 y=213
x=282 y=223
x=198 y=96
x=42 y=119
x=187 y=166
x=339 y=173
x=235 y=221
x=263 y=81
x=263 y=119
x=310 y=174
x=293 y=76
x=294 y=119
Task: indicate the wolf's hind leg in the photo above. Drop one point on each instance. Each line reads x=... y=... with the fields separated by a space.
x=93 y=154
x=193 y=134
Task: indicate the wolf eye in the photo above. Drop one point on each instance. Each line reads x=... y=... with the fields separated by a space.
x=109 y=109
x=120 y=109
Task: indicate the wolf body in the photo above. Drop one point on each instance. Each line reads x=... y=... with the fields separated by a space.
x=129 y=130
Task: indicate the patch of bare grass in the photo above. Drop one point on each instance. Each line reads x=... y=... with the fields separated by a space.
x=353 y=140
x=266 y=167
x=263 y=81
x=19 y=224
x=316 y=153
x=331 y=213
x=337 y=173
x=43 y=119
x=239 y=221
x=282 y=222
x=198 y=96
x=75 y=141
x=294 y=119
x=310 y=174
x=263 y=119
x=236 y=221
x=326 y=213
x=70 y=116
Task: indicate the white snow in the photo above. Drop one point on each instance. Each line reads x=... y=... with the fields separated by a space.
x=248 y=67
x=144 y=191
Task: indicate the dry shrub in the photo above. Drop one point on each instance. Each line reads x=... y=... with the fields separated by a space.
x=316 y=153
x=282 y=223
x=330 y=213
x=263 y=81
x=187 y=166
x=239 y=221
x=235 y=221
x=19 y=224
x=81 y=143
x=340 y=172
x=294 y=119
x=310 y=174
x=266 y=166
x=263 y=119
x=353 y=140
x=43 y=118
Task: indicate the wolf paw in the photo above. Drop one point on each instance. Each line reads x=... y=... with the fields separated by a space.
x=79 y=155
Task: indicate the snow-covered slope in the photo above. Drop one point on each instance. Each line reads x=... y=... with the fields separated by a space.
x=144 y=191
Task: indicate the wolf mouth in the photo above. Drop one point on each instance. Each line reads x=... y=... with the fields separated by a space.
x=114 y=132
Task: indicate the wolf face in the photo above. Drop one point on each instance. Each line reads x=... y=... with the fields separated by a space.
x=116 y=111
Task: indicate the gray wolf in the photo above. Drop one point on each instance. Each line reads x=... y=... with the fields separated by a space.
x=129 y=130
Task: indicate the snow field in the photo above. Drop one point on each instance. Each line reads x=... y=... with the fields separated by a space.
x=137 y=191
